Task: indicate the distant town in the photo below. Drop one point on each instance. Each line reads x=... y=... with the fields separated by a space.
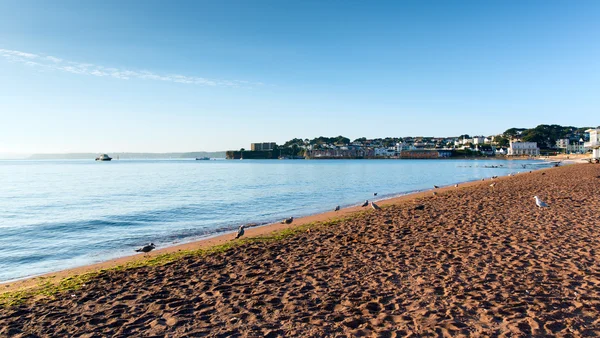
x=517 y=142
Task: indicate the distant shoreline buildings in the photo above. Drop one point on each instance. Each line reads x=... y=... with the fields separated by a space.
x=514 y=142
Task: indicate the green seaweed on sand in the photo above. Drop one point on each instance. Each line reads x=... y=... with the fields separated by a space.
x=48 y=287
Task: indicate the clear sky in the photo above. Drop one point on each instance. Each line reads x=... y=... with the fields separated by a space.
x=160 y=76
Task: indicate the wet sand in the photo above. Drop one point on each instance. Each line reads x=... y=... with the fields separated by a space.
x=473 y=261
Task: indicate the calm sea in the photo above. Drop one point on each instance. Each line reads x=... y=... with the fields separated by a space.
x=62 y=214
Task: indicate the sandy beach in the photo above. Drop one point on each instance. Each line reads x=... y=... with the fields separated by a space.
x=473 y=260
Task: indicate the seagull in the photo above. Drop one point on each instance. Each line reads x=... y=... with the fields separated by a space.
x=483 y=179
x=375 y=206
x=540 y=203
x=434 y=193
x=240 y=232
x=288 y=220
x=374 y=194
x=456 y=185
x=435 y=187
x=337 y=208
x=365 y=204
x=493 y=185
x=509 y=175
x=146 y=248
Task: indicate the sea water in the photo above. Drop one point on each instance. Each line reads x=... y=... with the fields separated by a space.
x=59 y=214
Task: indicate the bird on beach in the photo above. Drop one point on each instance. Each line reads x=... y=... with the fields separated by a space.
x=337 y=208
x=435 y=187
x=540 y=203
x=434 y=193
x=374 y=194
x=375 y=206
x=493 y=185
x=365 y=204
x=456 y=185
x=240 y=232
x=288 y=220
x=146 y=248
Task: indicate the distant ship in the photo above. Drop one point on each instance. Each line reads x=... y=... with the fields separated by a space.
x=103 y=157
x=202 y=158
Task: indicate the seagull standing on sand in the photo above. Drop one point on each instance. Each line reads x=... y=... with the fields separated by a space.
x=146 y=248
x=337 y=208
x=434 y=193
x=493 y=185
x=456 y=185
x=288 y=220
x=540 y=203
x=365 y=204
x=240 y=232
x=375 y=206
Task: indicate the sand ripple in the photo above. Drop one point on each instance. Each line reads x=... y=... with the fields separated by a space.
x=474 y=261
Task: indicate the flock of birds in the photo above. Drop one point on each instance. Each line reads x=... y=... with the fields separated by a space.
x=538 y=202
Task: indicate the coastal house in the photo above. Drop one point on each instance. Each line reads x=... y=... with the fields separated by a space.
x=576 y=148
x=385 y=152
x=486 y=149
x=562 y=143
x=404 y=146
x=594 y=143
x=264 y=146
x=478 y=140
x=523 y=149
x=501 y=151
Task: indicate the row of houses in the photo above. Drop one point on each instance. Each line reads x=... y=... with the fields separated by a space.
x=421 y=147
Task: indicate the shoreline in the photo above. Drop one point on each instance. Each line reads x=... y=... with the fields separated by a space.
x=219 y=239
x=472 y=260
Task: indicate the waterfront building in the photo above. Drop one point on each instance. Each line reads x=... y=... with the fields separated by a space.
x=264 y=146
x=478 y=140
x=523 y=149
x=594 y=143
x=562 y=143
x=576 y=148
x=385 y=152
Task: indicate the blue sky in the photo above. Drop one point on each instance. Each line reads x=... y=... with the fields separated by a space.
x=156 y=76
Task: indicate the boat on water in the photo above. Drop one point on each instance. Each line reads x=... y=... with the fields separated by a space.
x=202 y=158
x=103 y=157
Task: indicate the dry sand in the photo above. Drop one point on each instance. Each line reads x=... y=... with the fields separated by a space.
x=474 y=261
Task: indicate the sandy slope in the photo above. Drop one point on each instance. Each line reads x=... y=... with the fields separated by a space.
x=475 y=261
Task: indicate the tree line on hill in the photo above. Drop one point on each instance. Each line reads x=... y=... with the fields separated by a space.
x=544 y=135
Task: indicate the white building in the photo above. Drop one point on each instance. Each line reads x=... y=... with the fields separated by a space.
x=478 y=140
x=594 y=142
x=523 y=149
x=400 y=147
x=563 y=143
x=385 y=152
